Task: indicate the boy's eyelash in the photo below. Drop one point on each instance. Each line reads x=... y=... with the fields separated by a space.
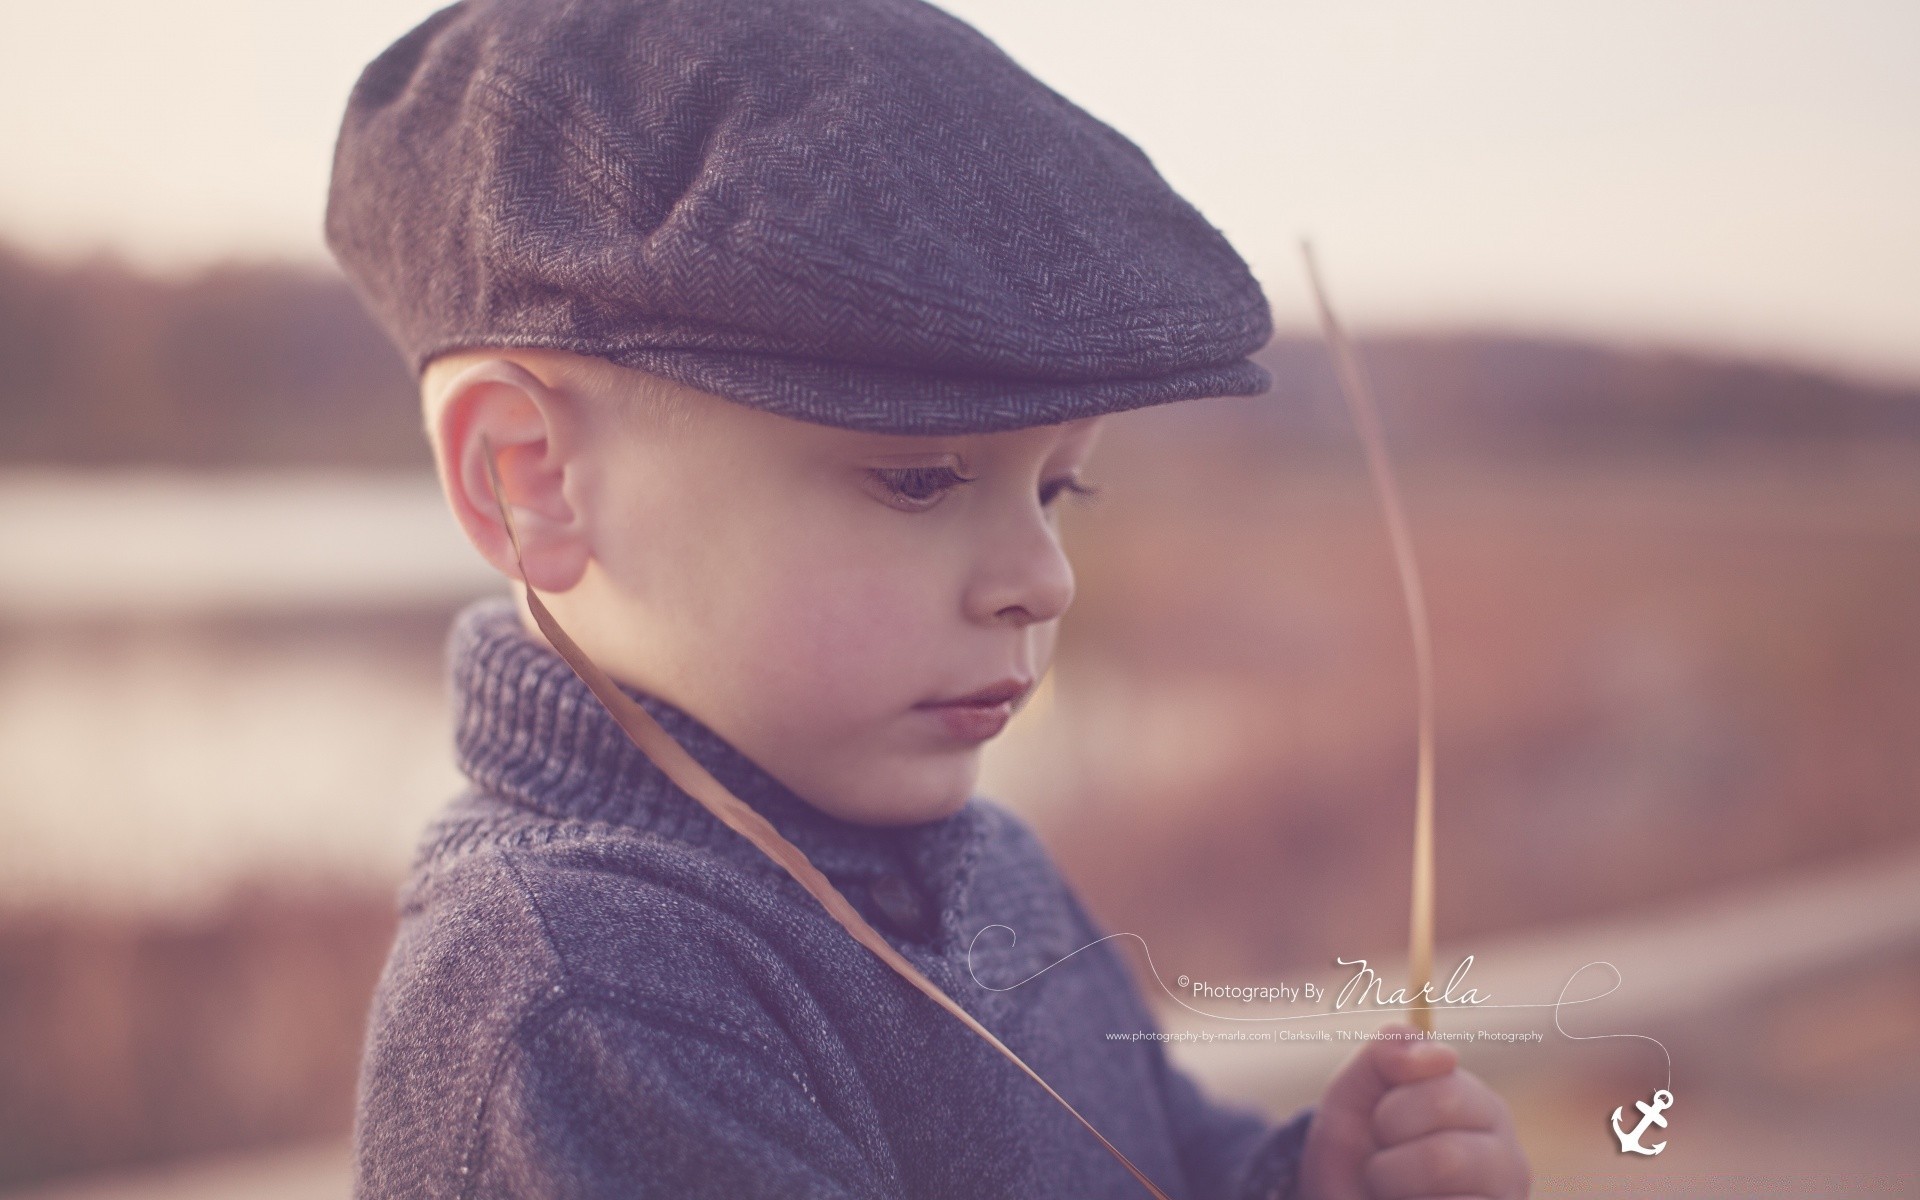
x=1084 y=492
x=924 y=485
x=920 y=485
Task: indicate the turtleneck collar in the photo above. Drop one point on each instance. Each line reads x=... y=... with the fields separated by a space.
x=528 y=731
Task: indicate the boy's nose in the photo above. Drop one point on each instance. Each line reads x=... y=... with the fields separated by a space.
x=1028 y=585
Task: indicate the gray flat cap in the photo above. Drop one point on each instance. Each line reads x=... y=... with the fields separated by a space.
x=859 y=213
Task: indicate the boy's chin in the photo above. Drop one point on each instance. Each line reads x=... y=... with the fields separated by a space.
x=906 y=806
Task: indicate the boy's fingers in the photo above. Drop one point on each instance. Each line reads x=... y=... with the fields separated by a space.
x=1341 y=1137
x=1397 y=1056
x=1456 y=1100
x=1456 y=1162
x=1358 y=1085
x=1401 y=1056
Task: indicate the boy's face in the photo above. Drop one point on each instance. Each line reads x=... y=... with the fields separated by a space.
x=806 y=591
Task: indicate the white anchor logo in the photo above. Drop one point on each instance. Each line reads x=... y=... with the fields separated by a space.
x=1650 y=1115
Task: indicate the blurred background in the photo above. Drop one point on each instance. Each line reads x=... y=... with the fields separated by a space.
x=1635 y=284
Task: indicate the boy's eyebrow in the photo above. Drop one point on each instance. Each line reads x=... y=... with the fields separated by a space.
x=1074 y=437
x=915 y=458
x=908 y=442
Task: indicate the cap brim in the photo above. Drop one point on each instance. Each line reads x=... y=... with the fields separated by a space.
x=893 y=400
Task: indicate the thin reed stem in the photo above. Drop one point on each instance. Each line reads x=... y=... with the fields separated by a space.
x=1366 y=418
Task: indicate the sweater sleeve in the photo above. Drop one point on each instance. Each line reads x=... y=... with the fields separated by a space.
x=597 y=1099
x=1230 y=1151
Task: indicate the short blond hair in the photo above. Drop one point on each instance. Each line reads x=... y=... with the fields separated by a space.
x=649 y=403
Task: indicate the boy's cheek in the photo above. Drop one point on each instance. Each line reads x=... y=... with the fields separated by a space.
x=850 y=652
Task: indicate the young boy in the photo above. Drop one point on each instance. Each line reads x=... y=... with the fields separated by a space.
x=788 y=323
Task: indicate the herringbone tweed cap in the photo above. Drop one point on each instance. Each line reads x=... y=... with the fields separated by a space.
x=859 y=213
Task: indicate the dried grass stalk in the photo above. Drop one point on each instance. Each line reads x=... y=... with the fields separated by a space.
x=685 y=771
x=1359 y=398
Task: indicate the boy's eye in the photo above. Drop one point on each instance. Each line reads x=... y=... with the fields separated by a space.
x=919 y=488
x=916 y=488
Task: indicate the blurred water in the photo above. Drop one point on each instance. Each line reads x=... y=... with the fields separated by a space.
x=201 y=675
x=142 y=544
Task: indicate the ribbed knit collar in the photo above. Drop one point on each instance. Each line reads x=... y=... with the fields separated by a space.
x=529 y=731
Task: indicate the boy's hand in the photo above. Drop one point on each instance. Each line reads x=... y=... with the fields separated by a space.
x=1400 y=1121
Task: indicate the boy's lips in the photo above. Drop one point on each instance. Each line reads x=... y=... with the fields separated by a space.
x=1008 y=690
x=980 y=714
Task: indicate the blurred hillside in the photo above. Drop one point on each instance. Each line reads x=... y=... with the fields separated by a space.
x=241 y=365
x=267 y=365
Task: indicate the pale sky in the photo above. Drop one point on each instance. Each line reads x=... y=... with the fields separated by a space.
x=1738 y=174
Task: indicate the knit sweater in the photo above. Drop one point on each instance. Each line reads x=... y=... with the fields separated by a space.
x=599 y=990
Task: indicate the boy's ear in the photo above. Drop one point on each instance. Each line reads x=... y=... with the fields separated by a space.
x=536 y=443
